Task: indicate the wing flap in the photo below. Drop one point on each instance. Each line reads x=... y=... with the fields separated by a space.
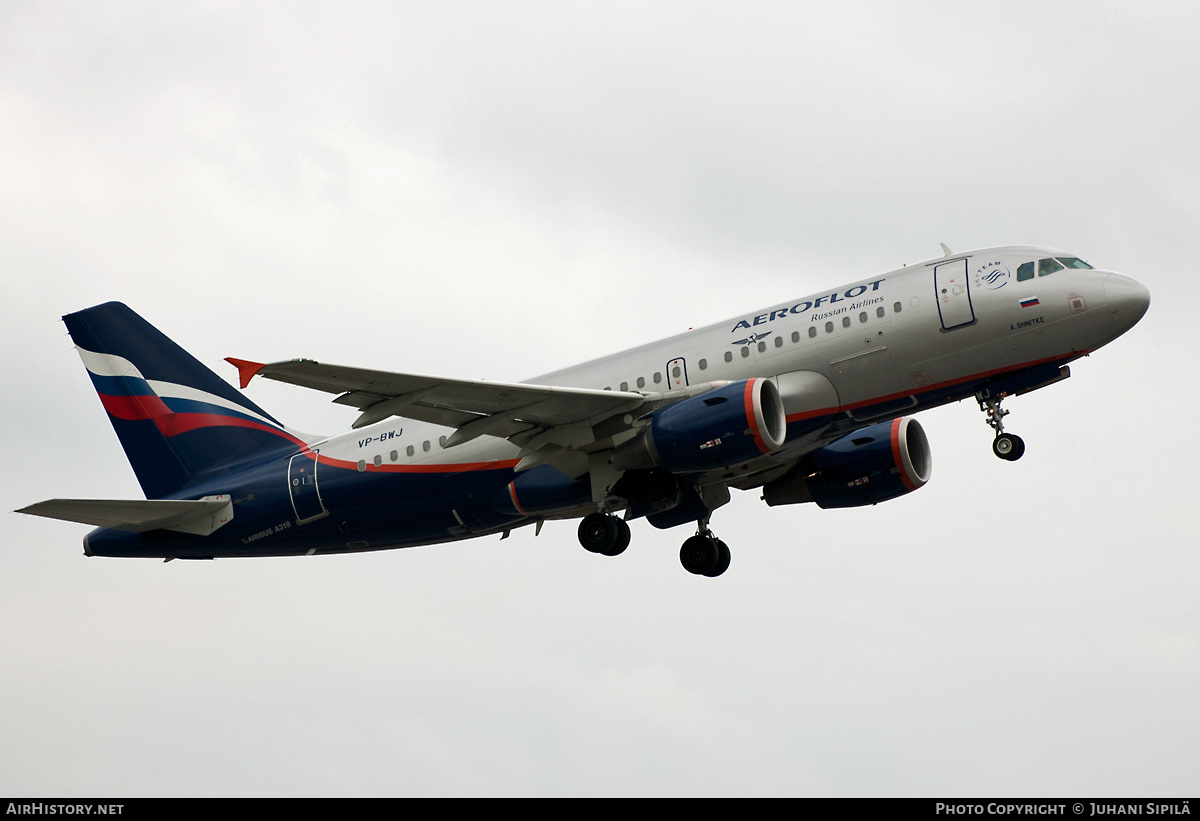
x=200 y=517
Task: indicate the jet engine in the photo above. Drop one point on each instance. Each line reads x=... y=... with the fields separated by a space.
x=866 y=467
x=543 y=490
x=719 y=428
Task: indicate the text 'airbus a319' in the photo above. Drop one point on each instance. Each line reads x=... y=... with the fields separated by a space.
x=806 y=400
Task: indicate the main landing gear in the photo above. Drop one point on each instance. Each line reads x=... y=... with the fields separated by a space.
x=604 y=533
x=1007 y=446
x=703 y=554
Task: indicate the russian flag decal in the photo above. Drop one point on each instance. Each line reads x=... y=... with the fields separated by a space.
x=1029 y=302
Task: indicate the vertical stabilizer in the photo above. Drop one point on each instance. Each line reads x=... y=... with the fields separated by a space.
x=176 y=419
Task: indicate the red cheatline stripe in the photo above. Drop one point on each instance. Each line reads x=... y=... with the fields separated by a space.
x=446 y=469
x=934 y=388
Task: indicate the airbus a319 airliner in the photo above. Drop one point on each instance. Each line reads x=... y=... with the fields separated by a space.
x=804 y=401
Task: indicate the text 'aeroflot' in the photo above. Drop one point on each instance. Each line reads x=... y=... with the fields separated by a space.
x=805 y=401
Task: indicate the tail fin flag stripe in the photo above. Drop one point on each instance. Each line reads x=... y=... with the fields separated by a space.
x=124 y=344
x=176 y=419
x=116 y=376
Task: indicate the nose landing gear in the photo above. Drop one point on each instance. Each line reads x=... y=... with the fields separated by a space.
x=1007 y=446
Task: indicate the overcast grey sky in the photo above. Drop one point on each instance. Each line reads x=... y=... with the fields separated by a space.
x=497 y=190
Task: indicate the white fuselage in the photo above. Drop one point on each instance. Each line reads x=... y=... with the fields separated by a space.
x=907 y=333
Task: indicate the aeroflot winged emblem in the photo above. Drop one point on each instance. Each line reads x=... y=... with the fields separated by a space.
x=750 y=340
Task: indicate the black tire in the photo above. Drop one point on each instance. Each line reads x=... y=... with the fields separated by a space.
x=623 y=536
x=700 y=555
x=1008 y=446
x=600 y=533
x=722 y=559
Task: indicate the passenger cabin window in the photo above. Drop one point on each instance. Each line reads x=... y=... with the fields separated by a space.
x=729 y=356
x=641 y=381
x=703 y=364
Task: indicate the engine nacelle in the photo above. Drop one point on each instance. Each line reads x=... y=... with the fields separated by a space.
x=542 y=490
x=869 y=466
x=722 y=427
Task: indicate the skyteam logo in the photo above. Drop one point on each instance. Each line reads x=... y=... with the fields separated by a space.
x=992 y=276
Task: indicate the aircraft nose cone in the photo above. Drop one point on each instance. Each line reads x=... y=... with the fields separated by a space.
x=1128 y=300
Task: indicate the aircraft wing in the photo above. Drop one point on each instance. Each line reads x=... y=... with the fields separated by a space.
x=201 y=516
x=475 y=407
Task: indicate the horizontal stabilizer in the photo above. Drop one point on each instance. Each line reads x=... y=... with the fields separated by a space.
x=200 y=517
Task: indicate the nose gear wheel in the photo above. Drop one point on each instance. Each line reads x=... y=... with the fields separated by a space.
x=1007 y=446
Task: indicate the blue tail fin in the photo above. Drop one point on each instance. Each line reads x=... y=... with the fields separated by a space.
x=177 y=420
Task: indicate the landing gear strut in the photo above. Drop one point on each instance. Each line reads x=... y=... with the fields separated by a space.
x=704 y=554
x=1007 y=446
x=604 y=533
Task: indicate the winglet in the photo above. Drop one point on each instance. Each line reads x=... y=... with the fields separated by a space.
x=246 y=369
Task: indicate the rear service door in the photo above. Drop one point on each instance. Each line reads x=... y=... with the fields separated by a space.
x=302 y=484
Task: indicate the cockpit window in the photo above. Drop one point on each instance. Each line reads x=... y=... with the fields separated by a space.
x=1048 y=266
